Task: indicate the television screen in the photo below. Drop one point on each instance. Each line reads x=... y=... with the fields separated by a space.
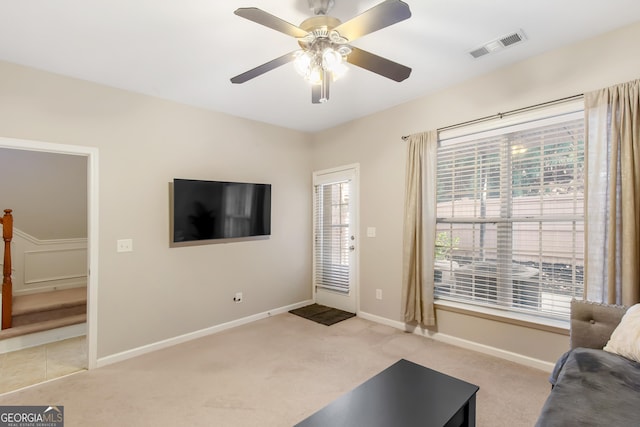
x=207 y=210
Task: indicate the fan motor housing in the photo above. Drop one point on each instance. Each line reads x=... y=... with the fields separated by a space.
x=320 y=21
x=320 y=26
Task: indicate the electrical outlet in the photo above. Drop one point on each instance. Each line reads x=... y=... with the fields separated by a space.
x=238 y=297
x=378 y=293
x=124 y=245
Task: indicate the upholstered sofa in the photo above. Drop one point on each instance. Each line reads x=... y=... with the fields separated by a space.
x=591 y=386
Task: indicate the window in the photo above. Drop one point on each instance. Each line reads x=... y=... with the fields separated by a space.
x=510 y=213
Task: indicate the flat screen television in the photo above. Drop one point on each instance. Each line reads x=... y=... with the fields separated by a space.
x=209 y=210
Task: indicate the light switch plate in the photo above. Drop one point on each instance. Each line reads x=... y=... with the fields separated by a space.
x=371 y=232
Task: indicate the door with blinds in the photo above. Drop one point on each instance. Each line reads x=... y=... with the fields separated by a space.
x=335 y=241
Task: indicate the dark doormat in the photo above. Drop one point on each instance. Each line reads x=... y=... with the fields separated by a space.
x=322 y=314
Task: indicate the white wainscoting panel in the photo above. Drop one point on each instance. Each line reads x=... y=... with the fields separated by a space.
x=45 y=265
x=54 y=264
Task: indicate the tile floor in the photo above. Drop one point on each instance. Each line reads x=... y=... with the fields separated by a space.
x=34 y=365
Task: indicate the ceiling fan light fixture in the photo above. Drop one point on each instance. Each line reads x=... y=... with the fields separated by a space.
x=324 y=39
x=308 y=39
x=315 y=76
x=339 y=70
x=319 y=63
x=337 y=38
x=344 y=51
x=302 y=62
x=331 y=58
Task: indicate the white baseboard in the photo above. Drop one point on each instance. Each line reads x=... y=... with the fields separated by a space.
x=128 y=354
x=382 y=320
x=470 y=345
x=41 y=338
x=459 y=342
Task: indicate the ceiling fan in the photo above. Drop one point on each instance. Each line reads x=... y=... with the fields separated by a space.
x=324 y=43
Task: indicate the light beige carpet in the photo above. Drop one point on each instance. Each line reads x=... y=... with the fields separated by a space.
x=276 y=372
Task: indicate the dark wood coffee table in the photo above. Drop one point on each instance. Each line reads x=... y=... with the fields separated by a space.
x=403 y=395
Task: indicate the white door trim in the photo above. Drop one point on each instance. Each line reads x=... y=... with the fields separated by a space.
x=92 y=220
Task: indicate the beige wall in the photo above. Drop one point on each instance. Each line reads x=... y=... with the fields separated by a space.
x=156 y=292
x=47 y=192
x=375 y=143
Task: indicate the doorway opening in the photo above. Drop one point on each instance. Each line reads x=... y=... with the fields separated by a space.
x=91 y=156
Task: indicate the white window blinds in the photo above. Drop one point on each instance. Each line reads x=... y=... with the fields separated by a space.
x=510 y=216
x=332 y=238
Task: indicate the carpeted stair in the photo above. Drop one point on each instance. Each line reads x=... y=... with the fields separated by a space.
x=47 y=310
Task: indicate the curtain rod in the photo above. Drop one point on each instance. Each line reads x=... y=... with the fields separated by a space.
x=501 y=115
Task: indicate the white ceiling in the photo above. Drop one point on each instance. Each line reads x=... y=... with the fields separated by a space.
x=188 y=50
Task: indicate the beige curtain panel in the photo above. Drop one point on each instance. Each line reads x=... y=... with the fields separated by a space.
x=613 y=194
x=420 y=229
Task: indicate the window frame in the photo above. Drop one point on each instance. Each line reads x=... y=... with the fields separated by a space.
x=549 y=114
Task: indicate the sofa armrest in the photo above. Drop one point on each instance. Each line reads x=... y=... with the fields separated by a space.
x=593 y=323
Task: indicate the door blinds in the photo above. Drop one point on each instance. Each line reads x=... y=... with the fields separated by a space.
x=332 y=236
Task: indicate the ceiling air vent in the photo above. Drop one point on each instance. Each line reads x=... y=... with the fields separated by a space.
x=498 y=44
x=479 y=52
x=511 y=39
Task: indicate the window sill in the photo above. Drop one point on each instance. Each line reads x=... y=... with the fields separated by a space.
x=518 y=319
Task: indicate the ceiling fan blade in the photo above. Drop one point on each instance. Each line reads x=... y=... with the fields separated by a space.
x=261 y=69
x=378 y=64
x=380 y=16
x=268 y=20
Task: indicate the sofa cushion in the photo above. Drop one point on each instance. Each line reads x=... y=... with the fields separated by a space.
x=594 y=388
x=593 y=323
x=625 y=339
